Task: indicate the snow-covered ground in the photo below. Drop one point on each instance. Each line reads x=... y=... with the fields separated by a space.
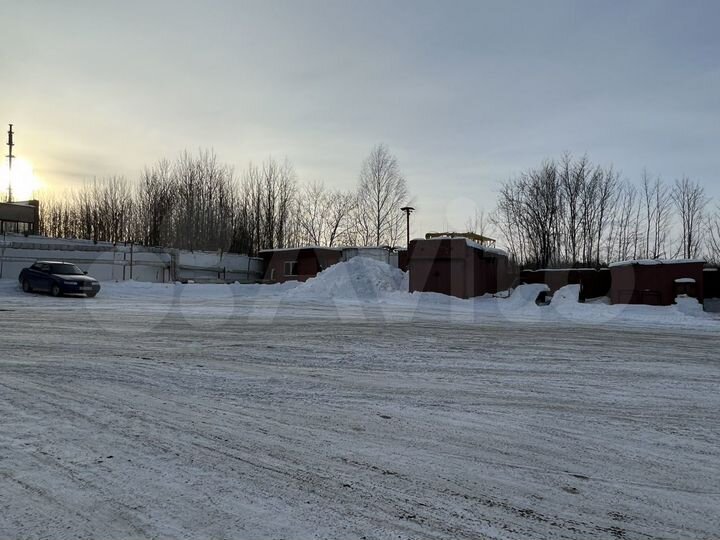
x=345 y=407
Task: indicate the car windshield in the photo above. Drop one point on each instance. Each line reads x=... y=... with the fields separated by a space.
x=65 y=269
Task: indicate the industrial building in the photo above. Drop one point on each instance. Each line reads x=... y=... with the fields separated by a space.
x=656 y=282
x=302 y=263
x=20 y=217
x=458 y=267
x=297 y=264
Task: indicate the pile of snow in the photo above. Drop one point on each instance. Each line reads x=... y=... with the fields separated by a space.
x=689 y=306
x=568 y=295
x=360 y=278
x=525 y=296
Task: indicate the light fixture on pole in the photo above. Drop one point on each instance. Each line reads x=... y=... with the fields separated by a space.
x=10 y=157
x=408 y=210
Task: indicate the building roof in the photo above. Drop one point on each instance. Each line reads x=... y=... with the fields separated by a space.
x=468 y=242
x=277 y=250
x=479 y=238
x=564 y=270
x=485 y=248
x=655 y=262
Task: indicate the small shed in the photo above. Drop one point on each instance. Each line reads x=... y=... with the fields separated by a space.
x=457 y=267
x=297 y=264
x=655 y=282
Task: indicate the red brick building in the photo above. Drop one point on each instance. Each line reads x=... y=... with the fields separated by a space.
x=656 y=282
x=297 y=264
x=457 y=267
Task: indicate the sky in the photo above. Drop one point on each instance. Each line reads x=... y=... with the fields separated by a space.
x=466 y=94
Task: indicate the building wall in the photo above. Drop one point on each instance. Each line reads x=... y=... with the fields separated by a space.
x=711 y=283
x=377 y=253
x=108 y=262
x=216 y=266
x=402 y=255
x=593 y=283
x=450 y=266
x=310 y=261
x=22 y=218
x=653 y=284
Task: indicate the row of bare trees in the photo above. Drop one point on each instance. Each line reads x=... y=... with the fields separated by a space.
x=571 y=212
x=196 y=202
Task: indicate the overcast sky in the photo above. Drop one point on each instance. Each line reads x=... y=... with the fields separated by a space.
x=465 y=94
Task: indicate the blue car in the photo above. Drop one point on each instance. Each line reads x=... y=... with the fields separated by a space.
x=58 y=278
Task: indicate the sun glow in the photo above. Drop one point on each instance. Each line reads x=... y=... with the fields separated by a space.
x=23 y=180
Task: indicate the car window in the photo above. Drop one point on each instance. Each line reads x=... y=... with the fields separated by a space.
x=65 y=269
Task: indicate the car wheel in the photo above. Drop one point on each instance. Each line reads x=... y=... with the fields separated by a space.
x=55 y=291
x=26 y=286
x=91 y=294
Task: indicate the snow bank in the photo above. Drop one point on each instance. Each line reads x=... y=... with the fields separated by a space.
x=689 y=306
x=525 y=296
x=359 y=288
x=567 y=295
x=359 y=278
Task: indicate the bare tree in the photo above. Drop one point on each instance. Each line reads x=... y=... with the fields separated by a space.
x=509 y=221
x=625 y=234
x=529 y=208
x=607 y=200
x=480 y=223
x=690 y=202
x=340 y=206
x=382 y=192
x=278 y=183
x=658 y=213
x=323 y=217
x=311 y=213
x=562 y=213
x=572 y=178
x=713 y=236
x=155 y=200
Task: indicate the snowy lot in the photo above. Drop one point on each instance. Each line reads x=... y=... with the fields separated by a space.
x=332 y=410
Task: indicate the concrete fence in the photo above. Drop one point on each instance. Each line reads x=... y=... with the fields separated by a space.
x=118 y=262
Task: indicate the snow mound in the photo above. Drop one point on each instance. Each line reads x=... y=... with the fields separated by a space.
x=525 y=295
x=567 y=295
x=689 y=306
x=360 y=278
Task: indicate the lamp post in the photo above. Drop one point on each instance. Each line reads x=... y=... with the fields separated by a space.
x=408 y=210
x=10 y=157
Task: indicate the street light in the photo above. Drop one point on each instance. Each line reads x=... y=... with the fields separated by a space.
x=408 y=210
x=10 y=157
